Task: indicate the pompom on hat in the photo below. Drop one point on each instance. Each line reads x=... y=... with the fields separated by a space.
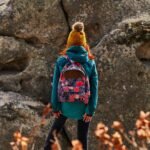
x=77 y=35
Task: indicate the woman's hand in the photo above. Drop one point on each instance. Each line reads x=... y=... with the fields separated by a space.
x=56 y=114
x=87 y=118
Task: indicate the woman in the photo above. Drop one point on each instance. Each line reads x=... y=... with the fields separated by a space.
x=77 y=50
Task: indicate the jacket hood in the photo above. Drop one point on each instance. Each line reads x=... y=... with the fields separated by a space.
x=78 y=53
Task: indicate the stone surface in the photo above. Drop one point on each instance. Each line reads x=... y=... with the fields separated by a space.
x=31 y=35
x=23 y=68
x=36 y=21
x=101 y=16
x=20 y=113
x=124 y=73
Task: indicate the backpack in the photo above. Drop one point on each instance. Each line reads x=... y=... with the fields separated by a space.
x=73 y=84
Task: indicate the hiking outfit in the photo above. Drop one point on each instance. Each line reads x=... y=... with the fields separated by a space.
x=74 y=109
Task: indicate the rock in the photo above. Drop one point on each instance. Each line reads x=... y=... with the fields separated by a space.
x=36 y=21
x=17 y=113
x=124 y=76
x=101 y=16
x=23 y=69
x=31 y=35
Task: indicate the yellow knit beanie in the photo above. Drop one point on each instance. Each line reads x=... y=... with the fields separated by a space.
x=77 y=35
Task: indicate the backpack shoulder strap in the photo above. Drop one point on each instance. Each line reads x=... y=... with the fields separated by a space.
x=66 y=56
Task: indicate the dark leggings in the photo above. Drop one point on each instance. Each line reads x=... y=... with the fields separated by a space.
x=82 y=132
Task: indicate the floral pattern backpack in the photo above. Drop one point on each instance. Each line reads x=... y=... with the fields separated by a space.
x=73 y=83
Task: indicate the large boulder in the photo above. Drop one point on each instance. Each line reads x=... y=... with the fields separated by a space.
x=23 y=69
x=36 y=21
x=101 y=16
x=123 y=62
x=21 y=113
x=31 y=33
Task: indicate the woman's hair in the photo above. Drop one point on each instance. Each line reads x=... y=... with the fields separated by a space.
x=77 y=37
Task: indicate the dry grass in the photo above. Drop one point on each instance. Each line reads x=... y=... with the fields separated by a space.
x=137 y=139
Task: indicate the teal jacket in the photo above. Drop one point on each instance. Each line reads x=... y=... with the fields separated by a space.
x=76 y=110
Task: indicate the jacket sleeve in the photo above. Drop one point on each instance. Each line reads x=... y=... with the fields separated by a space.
x=94 y=91
x=54 y=96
